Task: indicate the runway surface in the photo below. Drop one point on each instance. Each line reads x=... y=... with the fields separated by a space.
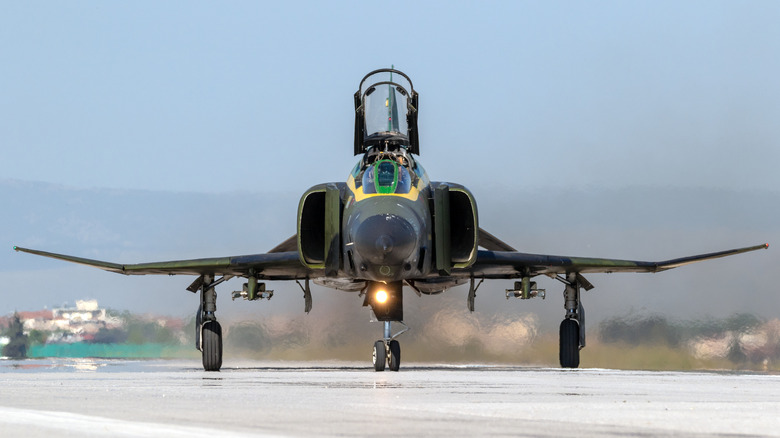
x=118 y=398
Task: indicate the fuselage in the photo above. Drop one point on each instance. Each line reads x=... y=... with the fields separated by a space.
x=386 y=225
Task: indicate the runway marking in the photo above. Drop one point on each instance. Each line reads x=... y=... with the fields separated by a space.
x=89 y=425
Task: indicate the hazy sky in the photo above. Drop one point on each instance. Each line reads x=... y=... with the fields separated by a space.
x=203 y=96
x=226 y=97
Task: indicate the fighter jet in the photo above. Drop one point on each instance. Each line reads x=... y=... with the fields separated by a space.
x=386 y=228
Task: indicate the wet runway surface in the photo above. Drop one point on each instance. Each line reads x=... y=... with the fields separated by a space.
x=84 y=397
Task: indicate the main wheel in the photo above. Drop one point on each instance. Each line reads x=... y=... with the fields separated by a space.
x=570 y=344
x=395 y=355
x=379 y=356
x=212 y=346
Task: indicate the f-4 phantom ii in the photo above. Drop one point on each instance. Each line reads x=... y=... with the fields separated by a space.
x=386 y=227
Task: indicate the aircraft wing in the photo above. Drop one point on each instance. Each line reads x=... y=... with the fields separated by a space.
x=513 y=264
x=273 y=266
x=285 y=265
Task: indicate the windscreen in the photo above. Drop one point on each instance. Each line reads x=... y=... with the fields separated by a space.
x=385 y=102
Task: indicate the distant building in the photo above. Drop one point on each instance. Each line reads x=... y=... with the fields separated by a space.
x=87 y=321
x=70 y=324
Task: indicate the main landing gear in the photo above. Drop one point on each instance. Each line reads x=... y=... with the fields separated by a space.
x=572 y=330
x=208 y=332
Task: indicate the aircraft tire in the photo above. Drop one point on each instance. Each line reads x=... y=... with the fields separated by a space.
x=395 y=355
x=570 y=344
x=379 y=356
x=212 y=346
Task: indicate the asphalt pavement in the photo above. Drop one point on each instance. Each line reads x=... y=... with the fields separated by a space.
x=118 y=398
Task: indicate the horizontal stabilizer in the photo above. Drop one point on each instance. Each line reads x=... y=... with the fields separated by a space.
x=290 y=244
x=493 y=243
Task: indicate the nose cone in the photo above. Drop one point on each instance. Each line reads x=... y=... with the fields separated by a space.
x=385 y=240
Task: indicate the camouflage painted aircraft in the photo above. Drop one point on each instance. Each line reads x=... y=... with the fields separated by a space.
x=388 y=227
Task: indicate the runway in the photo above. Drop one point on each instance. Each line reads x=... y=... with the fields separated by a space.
x=102 y=398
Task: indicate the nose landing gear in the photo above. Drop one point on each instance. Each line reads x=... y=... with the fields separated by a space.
x=386 y=303
x=387 y=351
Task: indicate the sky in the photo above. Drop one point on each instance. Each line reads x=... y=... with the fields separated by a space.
x=196 y=96
x=517 y=100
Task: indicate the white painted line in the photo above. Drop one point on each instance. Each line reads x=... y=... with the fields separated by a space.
x=88 y=425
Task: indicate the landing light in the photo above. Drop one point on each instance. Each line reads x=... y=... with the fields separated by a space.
x=381 y=296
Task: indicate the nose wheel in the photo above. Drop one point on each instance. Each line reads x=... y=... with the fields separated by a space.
x=387 y=352
x=379 y=356
x=394 y=355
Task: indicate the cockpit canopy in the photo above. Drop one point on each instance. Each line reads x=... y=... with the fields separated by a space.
x=386 y=112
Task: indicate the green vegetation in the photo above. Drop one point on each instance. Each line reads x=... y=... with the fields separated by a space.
x=137 y=330
x=740 y=341
x=123 y=335
x=37 y=337
x=17 y=346
x=651 y=342
x=645 y=342
x=657 y=329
